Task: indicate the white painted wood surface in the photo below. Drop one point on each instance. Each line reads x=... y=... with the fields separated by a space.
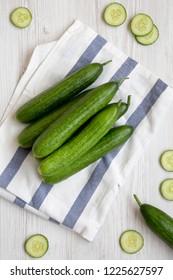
x=50 y=19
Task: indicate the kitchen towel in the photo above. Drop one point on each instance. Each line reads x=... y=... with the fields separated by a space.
x=81 y=202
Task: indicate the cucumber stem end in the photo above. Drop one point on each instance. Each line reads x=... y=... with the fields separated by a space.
x=103 y=64
x=129 y=100
x=120 y=81
x=137 y=200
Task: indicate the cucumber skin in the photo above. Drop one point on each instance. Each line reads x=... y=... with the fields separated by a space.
x=66 y=155
x=159 y=222
x=54 y=96
x=28 y=135
x=62 y=129
x=112 y=140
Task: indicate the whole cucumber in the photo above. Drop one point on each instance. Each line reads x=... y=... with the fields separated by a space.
x=158 y=221
x=66 y=155
x=72 y=119
x=49 y=99
x=113 y=139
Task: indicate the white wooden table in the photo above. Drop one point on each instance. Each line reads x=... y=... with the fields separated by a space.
x=50 y=19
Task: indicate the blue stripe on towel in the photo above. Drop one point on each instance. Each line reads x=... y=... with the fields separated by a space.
x=40 y=195
x=125 y=69
x=89 y=54
x=19 y=202
x=98 y=173
x=13 y=166
x=147 y=103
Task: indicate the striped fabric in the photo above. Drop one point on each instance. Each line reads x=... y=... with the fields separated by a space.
x=81 y=202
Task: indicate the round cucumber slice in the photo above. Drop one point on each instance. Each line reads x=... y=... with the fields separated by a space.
x=131 y=241
x=36 y=245
x=115 y=14
x=166 y=160
x=149 y=38
x=141 y=24
x=166 y=189
x=21 y=17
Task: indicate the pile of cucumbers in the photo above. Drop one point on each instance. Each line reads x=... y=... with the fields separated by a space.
x=68 y=126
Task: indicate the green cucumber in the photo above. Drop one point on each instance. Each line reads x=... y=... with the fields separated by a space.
x=21 y=17
x=150 y=38
x=62 y=129
x=66 y=155
x=131 y=241
x=166 y=189
x=115 y=14
x=36 y=245
x=30 y=133
x=158 y=221
x=141 y=24
x=54 y=96
x=113 y=139
x=166 y=160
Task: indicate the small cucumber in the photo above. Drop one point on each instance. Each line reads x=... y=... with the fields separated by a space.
x=166 y=160
x=131 y=241
x=66 y=155
x=36 y=246
x=150 y=38
x=141 y=24
x=30 y=133
x=113 y=139
x=158 y=221
x=21 y=17
x=51 y=98
x=115 y=14
x=62 y=129
x=166 y=189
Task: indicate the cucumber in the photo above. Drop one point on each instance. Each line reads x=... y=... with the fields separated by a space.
x=166 y=160
x=149 y=38
x=141 y=24
x=51 y=98
x=158 y=221
x=21 y=17
x=60 y=130
x=66 y=155
x=166 y=189
x=131 y=241
x=113 y=139
x=36 y=246
x=115 y=14
x=30 y=133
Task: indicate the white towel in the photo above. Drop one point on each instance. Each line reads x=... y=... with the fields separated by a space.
x=81 y=202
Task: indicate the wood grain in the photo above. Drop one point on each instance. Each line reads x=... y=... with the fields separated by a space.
x=50 y=20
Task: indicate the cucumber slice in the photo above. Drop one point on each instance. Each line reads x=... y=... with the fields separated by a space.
x=166 y=189
x=141 y=24
x=166 y=160
x=36 y=245
x=131 y=241
x=115 y=14
x=21 y=17
x=149 y=38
